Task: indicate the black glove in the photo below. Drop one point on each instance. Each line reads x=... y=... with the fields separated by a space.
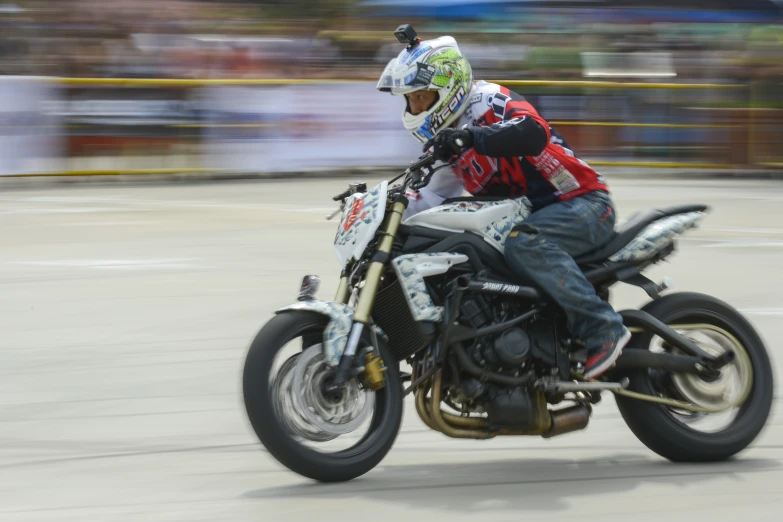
x=449 y=143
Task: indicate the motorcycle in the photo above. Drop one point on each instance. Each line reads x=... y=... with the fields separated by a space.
x=489 y=355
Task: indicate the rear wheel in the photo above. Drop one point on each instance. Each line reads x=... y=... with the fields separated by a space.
x=323 y=436
x=744 y=389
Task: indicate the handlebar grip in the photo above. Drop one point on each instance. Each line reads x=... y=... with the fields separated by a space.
x=340 y=197
x=425 y=161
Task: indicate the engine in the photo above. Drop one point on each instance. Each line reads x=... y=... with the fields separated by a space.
x=507 y=352
x=515 y=350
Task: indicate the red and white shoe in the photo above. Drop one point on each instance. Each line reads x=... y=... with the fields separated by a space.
x=603 y=359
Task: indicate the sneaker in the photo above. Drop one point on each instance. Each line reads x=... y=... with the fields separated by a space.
x=604 y=358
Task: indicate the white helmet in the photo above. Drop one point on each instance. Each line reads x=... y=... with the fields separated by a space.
x=432 y=65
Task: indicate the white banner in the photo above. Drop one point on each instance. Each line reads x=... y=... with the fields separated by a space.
x=30 y=137
x=305 y=127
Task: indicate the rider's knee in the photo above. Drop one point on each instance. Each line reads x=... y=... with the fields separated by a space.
x=521 y=240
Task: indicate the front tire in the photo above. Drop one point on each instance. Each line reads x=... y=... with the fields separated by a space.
x=259 y=404
x=657 y=427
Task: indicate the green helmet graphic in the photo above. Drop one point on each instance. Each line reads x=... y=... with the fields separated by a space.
x=432 y=65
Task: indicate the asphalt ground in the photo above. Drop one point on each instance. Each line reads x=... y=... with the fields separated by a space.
x=126 y=314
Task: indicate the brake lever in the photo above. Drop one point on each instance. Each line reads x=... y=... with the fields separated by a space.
x=425 y=171
x=353 y=188
x=341 y=198
x=333 y=214
x=421 y=180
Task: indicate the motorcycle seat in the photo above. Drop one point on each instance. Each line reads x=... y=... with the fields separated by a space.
x=626 y=232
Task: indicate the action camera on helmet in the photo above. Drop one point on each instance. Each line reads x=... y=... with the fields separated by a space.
x=407 y=35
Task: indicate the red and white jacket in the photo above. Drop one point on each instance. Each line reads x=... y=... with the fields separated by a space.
x=515 y=153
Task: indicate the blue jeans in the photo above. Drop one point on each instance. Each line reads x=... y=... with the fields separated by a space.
x=542 y=249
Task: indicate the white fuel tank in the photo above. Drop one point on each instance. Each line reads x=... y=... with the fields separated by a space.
x=492 y=220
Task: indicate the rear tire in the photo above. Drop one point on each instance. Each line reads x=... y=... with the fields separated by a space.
x=332 y=467
x=652 y=423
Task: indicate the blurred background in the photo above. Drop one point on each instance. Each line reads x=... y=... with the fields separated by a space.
x=127 y=308
x=238 y=85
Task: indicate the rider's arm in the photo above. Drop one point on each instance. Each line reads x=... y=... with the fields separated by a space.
x=443 y=185
x=522 y=132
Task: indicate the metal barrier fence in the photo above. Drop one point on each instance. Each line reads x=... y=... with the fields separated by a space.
x=91 y=126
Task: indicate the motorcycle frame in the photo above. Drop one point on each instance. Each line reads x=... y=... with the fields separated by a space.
x=696 y=360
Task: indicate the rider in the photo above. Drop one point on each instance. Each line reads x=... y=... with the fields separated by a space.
x=501 y=146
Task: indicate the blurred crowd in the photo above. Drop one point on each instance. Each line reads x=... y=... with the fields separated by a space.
x=342 y=39
x=353 y=39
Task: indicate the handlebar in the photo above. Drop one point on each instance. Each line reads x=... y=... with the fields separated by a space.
x=341 y=196
x=353 y=188
x=426 y=160
x=415 y=178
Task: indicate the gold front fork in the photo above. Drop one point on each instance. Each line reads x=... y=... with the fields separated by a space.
x=343 y=292
x=361 y=315
x=375 y=270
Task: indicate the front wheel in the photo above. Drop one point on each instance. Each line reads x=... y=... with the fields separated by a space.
x=312 y=432
x=744 y=388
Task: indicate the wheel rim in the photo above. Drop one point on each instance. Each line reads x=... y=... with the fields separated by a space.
x=307 y=414
x=727 y=392
x=334 y=417
x=287 y=411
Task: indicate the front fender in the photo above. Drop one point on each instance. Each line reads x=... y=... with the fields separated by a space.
x=336 y=332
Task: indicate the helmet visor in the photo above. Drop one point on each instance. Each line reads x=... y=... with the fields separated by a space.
x=418 y=78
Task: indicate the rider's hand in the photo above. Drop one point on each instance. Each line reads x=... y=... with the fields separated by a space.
x=450 y=142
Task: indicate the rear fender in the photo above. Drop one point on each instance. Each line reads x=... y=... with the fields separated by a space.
x=340 y=322
x=657 y=236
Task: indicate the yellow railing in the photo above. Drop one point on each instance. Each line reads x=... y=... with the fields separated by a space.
x=162 y=83
x=642 y=125
x=185 y=82
x=615 y=85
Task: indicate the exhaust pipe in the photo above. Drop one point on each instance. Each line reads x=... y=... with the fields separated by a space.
x=554 y=423
x=567 y=420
